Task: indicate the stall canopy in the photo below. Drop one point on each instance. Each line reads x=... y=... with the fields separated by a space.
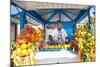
x=49 y=13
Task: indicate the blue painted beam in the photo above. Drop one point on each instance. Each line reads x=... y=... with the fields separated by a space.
x=17 y=5
x=63 y=9
x=74 y=26
x=52 y=16
x=60 y=15
x=54 y=22
x=22 y=20
x=89 y=19
x=82 y=12
x=32 y=17
x=67 y=16
x=17 y=9
x=82 y=17
x=36 y=16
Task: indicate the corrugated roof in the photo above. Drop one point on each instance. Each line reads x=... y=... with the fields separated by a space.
x=29 y=5
x=46 y=9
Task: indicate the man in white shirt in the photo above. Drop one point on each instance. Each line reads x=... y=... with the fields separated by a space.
x=58 y=34
x=61 y=33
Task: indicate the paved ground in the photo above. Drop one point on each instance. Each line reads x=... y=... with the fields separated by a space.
x=56 y=57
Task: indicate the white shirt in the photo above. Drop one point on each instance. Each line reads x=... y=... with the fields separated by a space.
x=62 y=34
x=56 y=34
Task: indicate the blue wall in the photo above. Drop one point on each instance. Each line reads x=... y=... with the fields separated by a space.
x=68 y=26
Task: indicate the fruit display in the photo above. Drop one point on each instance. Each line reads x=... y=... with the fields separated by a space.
x=44 y=45
x=30 y=35
x=86 y=43
x=22 y=54
x=26 y=45
x=59 y=46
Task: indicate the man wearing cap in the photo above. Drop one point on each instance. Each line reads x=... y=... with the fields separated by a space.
x=61 y=33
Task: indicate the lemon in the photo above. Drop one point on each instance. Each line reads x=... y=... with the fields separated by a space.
x=14 y=53
x=24 y=46
x=46 y=46
x=55 y=46
x=58 y=46
x=65 y=46
x=18 y=51
x=24 y=52
x=90 y=44
x=49 y=46
x=62 y=46
x=52 y=46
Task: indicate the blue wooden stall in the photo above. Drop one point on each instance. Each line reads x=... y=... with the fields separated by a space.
x=69 y=17
x=69 y=24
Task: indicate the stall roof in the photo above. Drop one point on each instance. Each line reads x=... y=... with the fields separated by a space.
x=52 y=12
x=29 y=5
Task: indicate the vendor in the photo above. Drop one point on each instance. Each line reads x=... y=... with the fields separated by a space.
x=51 y=40
x=62 y=35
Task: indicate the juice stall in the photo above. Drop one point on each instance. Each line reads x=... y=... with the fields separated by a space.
x=50 y=33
